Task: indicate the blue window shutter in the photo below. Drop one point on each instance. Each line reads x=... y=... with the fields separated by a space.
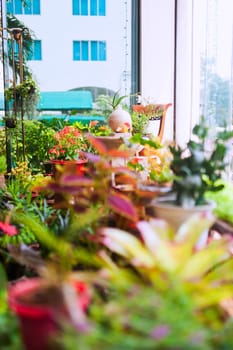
x=76 y=51
x=36 y=7
x=93 y=7
x=18 y=7
x=9 y=6
x=84 y=54
x=102 y=50
x=28 y=8
x=36 y=53
x=76 y=7
x=84 y=7
x=102 y=8
x=94 y=56
x=37 y=50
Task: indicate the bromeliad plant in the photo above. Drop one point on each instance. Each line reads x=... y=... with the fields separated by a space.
x=164 y=261
x=157 y=291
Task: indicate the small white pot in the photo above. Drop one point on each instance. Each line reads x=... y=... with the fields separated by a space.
x=119 y=120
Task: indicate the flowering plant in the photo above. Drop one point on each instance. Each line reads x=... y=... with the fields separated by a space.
x=68 y=143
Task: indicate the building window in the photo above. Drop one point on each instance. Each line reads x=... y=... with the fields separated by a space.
x=89 y=50
x=19 y=7
x=36 y=52
x=89 y=7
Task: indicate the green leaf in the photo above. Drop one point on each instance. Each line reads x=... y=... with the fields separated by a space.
x=206 y=259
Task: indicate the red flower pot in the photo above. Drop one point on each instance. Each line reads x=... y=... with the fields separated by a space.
x=38 y=322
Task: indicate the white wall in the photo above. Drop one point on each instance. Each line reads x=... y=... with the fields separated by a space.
x=157 y=55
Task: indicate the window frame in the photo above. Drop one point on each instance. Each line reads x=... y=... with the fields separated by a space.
x=89 y=7
x=90 y=50
x=16 y=7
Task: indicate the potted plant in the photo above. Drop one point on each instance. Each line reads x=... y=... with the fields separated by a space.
x=54 y=294
x=196 y=171
x=27 y=92
x=160 y=292
x=68 y=144
x=151 y=117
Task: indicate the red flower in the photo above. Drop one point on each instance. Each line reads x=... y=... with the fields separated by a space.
x=9 y=230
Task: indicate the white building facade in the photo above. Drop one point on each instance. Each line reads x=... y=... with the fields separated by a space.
x=79 y=43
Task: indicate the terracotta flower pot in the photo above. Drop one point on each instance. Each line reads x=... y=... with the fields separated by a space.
x=39 y=322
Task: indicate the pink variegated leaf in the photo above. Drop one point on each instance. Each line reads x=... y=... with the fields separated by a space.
x=75 y=180
x=122 y=205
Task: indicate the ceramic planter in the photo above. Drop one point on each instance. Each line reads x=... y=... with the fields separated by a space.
x=120 y=119
x=175 y=215
x=39 y=322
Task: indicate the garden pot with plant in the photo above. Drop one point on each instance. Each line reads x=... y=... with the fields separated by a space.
x=40 y=308
x=67 y=149
x=196 y=171
x=55 y=295
x=120 y=119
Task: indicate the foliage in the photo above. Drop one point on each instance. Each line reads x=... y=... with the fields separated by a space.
x=68 y=143
x=141 y=319
x=28 y=35
x=157 y=159
x=117 y=100
x=25 y=94
x=17 y=193
x=10 y=337
x=94 y=188
x=223 y=200
x=196 y=169
x=38 y=141
x=139 y=123
x=94 y=128
x=103 y=105
x=2 y=142
x=162 y=293
x=2 y=164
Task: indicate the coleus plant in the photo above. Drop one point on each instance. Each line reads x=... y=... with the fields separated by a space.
x=94 y=193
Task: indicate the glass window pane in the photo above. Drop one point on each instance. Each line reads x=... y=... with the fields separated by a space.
x=36 y=7
x=28 y=8
x=93 y=7
x=84 y=49
x=76 y=51
x=216 y=63
x=10 y=6
x=94 y=56
x=76 y=7
x=102 y=51
x=37 y=50
x=102 y=7
x=18 y=7
x=84 y=7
